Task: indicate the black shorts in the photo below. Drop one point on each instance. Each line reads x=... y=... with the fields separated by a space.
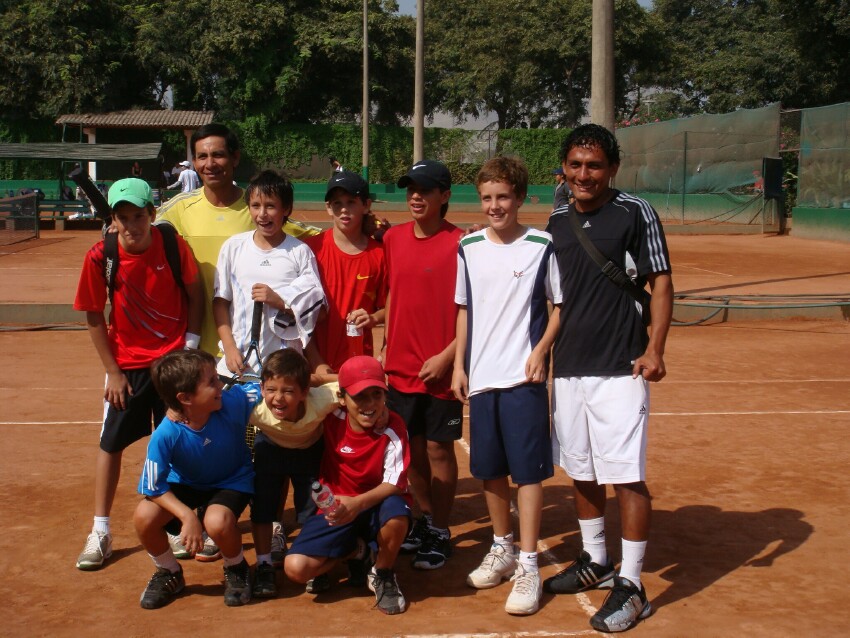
x=426 y=415
x=273 y=465
x=143 y=412
x=195 y=498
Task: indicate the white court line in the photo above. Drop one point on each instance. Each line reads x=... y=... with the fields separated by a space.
x=750 y=412
x=664 y=383
x=465 y=446
x=751 y=381
x=521 y=634
x=51 y=422
x=713 y=272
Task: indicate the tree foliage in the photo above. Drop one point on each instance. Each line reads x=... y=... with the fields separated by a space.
x=67 y=56
x=728 y=54
x=528 y=60
x=281 y=60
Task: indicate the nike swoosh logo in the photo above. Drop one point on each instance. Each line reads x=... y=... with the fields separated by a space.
x=359 y=276
x=160 y=267
x=415 y=167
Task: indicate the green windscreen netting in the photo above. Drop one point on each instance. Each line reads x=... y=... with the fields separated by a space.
x=701 y=168
x=825 y=157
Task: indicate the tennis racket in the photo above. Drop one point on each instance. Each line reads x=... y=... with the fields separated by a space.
x=249 y=376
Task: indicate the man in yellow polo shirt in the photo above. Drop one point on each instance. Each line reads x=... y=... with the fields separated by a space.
x=207 y=216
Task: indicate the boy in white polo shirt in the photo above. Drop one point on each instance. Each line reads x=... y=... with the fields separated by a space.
x=506 y=275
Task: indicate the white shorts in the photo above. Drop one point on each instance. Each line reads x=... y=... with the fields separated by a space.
x=599 y=428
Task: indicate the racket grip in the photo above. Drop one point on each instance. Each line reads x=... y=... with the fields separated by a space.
x=256 y=321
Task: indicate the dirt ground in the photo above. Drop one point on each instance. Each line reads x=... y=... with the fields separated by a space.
x=748 y=433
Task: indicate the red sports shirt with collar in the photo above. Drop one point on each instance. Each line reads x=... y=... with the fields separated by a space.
x=354 y=463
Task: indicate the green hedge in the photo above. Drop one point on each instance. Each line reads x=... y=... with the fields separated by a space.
x=296 y=145
x=391 y=148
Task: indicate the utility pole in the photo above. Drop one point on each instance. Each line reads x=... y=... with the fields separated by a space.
x=365 y=116
x=419 y=85
x=602 y=64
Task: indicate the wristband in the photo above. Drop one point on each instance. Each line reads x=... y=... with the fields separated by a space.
x=192 y=341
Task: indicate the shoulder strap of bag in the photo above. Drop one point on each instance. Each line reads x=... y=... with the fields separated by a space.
x=616 y=274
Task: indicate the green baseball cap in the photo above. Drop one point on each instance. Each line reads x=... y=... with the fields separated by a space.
x=131 y=190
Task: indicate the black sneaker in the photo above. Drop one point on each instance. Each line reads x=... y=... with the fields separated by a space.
x=162 y=588
x=434 y=551
x=358 y=568
x=623 y=608
x=317 y=585
x=582 y=575
x=265 y=584
x=416 y=535
x=388 y=597
x=237 y=584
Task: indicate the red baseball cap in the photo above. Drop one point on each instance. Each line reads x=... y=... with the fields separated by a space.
x=359 y=373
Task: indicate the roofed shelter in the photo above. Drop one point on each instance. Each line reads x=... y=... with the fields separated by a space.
x=88 y=123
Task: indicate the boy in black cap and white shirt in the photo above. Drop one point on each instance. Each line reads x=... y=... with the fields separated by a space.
x=420 y=331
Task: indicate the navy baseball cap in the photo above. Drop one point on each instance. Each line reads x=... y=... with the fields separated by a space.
x=558 y=171
x=428 y=174
x=348 y=181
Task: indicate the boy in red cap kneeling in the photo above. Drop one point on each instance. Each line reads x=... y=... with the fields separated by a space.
x=365 y=463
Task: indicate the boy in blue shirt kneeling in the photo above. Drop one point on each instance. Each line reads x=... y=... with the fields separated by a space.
x=197 y=457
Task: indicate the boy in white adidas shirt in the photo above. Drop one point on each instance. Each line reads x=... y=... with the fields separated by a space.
x=265 y=265
x=506 y=275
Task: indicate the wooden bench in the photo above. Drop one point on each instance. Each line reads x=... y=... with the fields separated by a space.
x=59 y=211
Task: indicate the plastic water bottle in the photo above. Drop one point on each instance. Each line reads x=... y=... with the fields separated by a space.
x=323 y=497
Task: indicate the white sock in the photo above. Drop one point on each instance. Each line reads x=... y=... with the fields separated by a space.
x=632 y=564
x=593 y=539
x=528 y=560
x=230 y=562
x=101 y=524
x=264 y=558
x=167 y=561
x=506 y=541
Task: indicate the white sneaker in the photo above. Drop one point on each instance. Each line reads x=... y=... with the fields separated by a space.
x=97 y=549
x=525 y=597
x=278 y=544
x=499 y=564
x=180 y=552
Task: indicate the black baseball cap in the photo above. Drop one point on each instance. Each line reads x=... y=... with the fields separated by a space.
x=428 y=174
x=348 y=181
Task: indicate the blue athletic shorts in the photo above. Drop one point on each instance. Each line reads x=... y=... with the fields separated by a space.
x=509 y=434
x=317 y=538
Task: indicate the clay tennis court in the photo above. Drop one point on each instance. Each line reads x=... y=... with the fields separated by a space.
x=747 y=456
